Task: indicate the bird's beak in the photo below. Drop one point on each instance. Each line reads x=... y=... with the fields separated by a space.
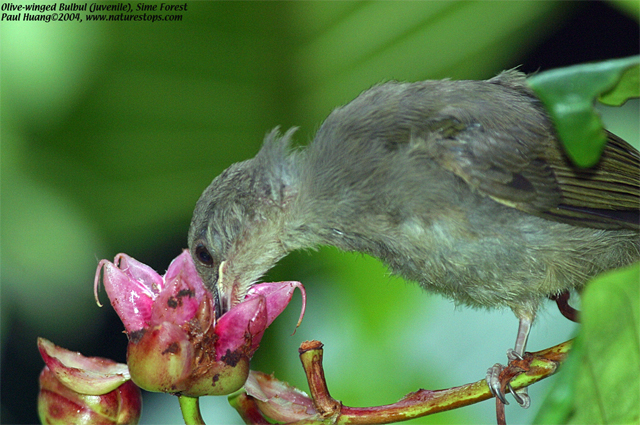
x=222 y=295
x=216 y=302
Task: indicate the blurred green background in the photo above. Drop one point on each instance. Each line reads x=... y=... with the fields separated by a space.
x=111 y=130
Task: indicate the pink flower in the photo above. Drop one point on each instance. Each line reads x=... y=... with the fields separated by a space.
x=85 y=390
x=176 y=344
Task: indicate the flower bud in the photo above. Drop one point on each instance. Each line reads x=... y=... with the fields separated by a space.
x=85 y=390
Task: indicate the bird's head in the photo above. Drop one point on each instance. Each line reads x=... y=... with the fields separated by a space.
x=238 y=230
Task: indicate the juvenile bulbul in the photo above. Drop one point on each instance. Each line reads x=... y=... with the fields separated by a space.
x=460 y=186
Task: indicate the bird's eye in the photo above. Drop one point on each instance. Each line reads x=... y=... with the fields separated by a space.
x=203 y=255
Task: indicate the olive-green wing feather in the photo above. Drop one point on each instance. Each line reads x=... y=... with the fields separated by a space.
x=536 y=176
x=607 y=194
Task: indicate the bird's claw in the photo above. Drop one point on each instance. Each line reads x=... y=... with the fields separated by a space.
x=493 y=381
x=513 y=355
x=521 y=396
x=496 y=385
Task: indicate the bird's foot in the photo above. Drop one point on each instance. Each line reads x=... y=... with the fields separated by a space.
x=499 y=378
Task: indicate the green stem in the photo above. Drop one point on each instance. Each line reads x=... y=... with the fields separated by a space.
x=532 y=368
x=190 y=407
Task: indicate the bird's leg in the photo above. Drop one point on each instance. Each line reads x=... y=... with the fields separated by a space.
x=493 y=374
x=524 y=327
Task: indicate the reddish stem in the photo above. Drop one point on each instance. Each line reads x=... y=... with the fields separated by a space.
x=532 y=368
x=311 y=356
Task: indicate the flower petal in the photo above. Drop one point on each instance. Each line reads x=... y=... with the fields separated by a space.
x=241 y=327
x=131 y=298
x=85 y=375
x=140 y=272
x=184 y=267
x=176 y=303
x=183 y=292
x=279 y=400
x=278 y=296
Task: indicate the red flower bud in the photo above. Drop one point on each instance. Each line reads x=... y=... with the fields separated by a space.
x=85 y=390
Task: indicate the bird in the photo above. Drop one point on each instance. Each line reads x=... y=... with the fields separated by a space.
x=461 y=186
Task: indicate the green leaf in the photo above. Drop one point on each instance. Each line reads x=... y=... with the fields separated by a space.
x=569 y=95
x=600 y=382
x=628 y=87
x=558 y=404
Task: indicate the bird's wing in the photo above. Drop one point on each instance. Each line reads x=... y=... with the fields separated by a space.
x=538 y=178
